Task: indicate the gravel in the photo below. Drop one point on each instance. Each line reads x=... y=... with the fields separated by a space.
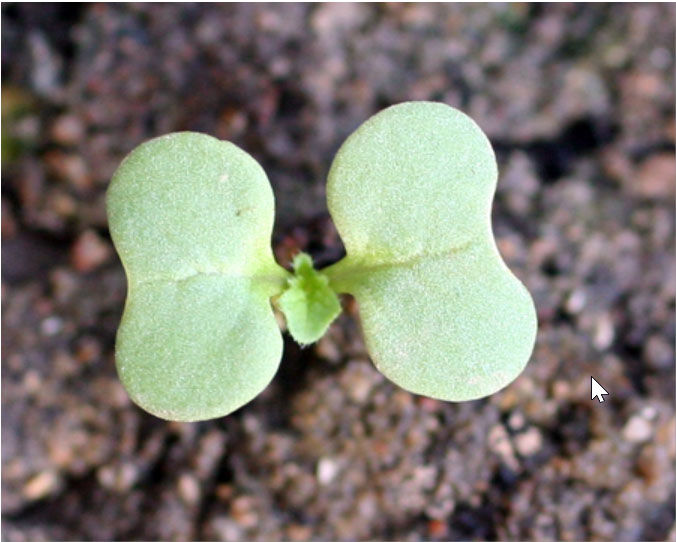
x=579 y=103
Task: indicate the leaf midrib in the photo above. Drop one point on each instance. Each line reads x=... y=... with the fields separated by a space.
x=275 y=279
x=354 y=270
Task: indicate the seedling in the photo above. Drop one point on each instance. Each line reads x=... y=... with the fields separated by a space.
x=410 y=192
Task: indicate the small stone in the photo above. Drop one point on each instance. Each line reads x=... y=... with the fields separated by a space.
x=209 y=452
x=67 y=130
x=41 y=485
x=113 y=393
x=427 y=404
x=499 y=443
x=64 y=284
x=561 y=390
x=617 y=165
x=63 y=205
x=61 y=452
x=656 y=177
x=64 y=364
x=528 y=442
x=326 y=348
x=658 y=352
x=88 y=350
x=576 y=301
x=51 y=326
x=649 y=412
x=604 y=335
x=188 y=489
x=127 y=476
x=227 y=530
x=507 y=399
x=332 y=19
x=437 y=528
x=646 y=84
x=637 y=430
x=32 y=381
x=516 y=421
x=224 y=492
x=508 y=248
x=14 y=469
x=118 y=477
x=326 y=470
x=243 y=512
x=106 y=476
x=299 y=533
x=359 y=385
x=89 y=251
x=71 y=168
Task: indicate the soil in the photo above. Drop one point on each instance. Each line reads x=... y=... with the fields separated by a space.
x=578 y=101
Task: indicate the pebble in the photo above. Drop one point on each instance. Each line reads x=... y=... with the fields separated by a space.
x=499 y=443
x=327 y=469
x=90 y=251
x=243 y=511
x=210 y=451
x=437 y=529
x=88 y=350
x=45 y=74
x=68 y=129
x=71 y=168
x=64 y=284
x=529 y=442
x=561 y=390
x=658 y=352
x=360 y=385
x=118 y=477
x=113 y=393
x=41 y=485
x=334 y=18
x=224 y=491
x=327 y=348
x=326 y=87
x=299 y=533
x=656 y=177
x=604 y=334
x=227 y=530
x=637 y=430
x=51 y=326
x=576 y=301
x=32 y=381
x=516 y=421
x=188 y=489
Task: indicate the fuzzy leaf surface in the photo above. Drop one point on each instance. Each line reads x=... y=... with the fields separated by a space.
x=191 y=218
x=410 y=192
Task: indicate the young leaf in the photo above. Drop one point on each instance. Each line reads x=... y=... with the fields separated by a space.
x=191 y=218
x=309 y=304
x=410 y=192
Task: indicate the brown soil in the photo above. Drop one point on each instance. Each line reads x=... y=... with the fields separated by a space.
x=579 y=103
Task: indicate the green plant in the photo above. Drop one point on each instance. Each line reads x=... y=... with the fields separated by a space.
x=410 y=192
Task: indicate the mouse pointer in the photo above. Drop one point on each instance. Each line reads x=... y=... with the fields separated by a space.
x=597 y=390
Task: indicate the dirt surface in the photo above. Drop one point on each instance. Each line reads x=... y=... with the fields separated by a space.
x=579 y=103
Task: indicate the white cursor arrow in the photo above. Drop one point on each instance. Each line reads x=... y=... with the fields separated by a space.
x=597 y=390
